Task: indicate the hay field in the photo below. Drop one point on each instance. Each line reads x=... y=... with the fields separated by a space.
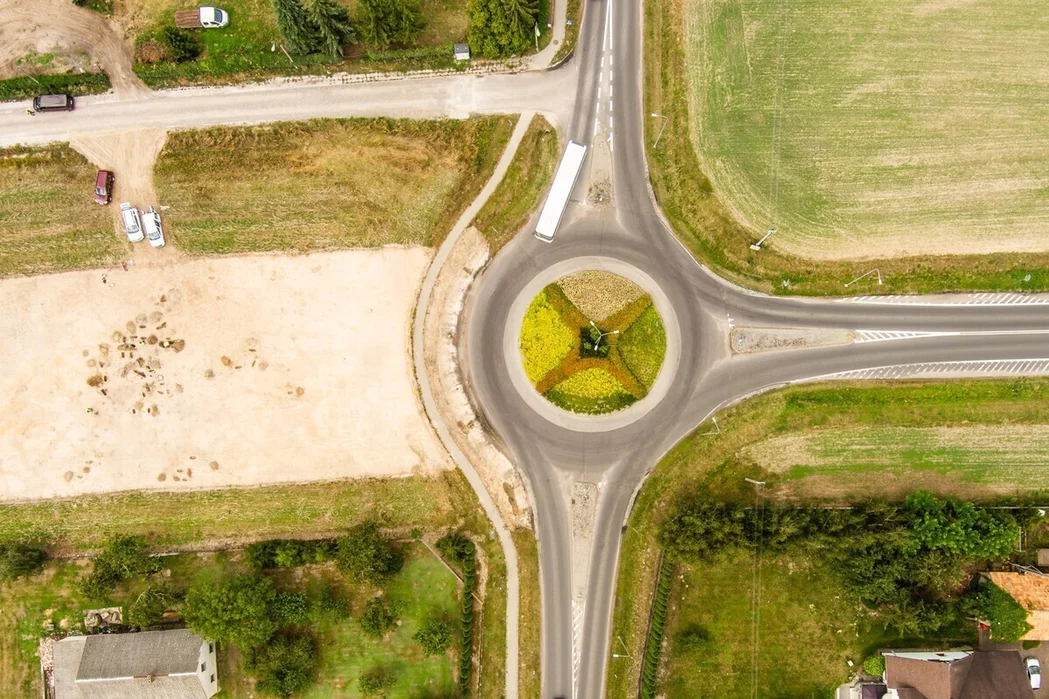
x=864 y=129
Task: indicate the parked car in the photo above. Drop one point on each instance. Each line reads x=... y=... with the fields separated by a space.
x=53 y=103
x=201 y=18
x=151 y=225
x=103 y=187
x=132 y=222
x=1034 y=673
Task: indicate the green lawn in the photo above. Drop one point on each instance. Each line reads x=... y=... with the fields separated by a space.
x=525 y=181
x=326 y=183
x=711 y=228
x=715 y=466
x=643 y=346
x=49 y=220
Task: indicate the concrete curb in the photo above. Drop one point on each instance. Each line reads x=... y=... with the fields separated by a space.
x=426 y=392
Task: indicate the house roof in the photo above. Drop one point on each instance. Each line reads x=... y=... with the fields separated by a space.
x=149 y=653
x=66 y=660
x=1031 y=591
x=982 y=674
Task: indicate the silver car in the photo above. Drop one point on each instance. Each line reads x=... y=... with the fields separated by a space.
x=151 y=224
x=132 y=222
x=1034 y=673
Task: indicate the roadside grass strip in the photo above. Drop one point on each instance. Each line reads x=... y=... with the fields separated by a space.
x=571 y=340
x=326 y=183
x=49 y=221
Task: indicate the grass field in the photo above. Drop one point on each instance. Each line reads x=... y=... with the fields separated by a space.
x=324 y=184
x=717 y=466
x=49 y=220
x=517 y=195
x=529 y=677
x=712 y=231
x=862 y=129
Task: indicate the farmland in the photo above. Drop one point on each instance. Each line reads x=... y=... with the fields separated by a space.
x=866 y=129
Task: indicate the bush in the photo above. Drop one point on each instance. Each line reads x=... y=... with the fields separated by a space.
x=384 y=22
x=149 y=607
x=376 y=682
x=182 y=45
x=365 y=556
x=997 y=607
x=377 y=618
x=70 y=84
x=151 y=51
x=330 y=604
x=501 y=28
x=1030 y=645
x=874 y=665
x=292 y=607
x=434 y=637
x=287 y=553
x=20 y=559
x=283 y=666
x=124 y=557
x=693 y=640
x=239 y=610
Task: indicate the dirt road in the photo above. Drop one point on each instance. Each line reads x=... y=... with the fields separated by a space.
x=59 y=25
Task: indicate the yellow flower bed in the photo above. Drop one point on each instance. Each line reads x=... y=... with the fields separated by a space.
x=545 y=339
x=591 y=383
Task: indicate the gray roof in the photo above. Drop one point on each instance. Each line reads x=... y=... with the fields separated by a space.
x=177 y=687
x=67 y=654
x=149 y=653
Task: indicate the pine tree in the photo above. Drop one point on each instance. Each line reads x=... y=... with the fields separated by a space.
x=296 y=26
x=385 y=22
x=333 y=24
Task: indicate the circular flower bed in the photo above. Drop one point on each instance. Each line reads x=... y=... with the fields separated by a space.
x=592 y=342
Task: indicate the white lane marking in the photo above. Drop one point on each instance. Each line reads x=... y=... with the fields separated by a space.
x=609 y=61
x=608 y=27
x=611 y=143
x=1015 y=367
x=610 y=36
x=882 y=335
x=611 y=120
x=577 y=642
x=599 y=95
x=596 y=125
x=987 y=299
x=610 y=92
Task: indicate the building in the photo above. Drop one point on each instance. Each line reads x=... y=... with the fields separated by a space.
x=956 y=675
x=462 y=52
x=148 y=665
x=1032 y=592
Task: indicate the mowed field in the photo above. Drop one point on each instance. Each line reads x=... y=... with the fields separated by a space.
x=867 y=129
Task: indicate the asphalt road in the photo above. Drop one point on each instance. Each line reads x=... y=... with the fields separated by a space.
x=575 y=655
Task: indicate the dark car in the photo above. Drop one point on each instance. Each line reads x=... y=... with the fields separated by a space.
x=103 y=187
x=53 y=103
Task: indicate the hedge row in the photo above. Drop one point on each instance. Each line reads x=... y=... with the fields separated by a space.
x=288 y=553
x=654 y=644
x=75 y=84
x=461 y=551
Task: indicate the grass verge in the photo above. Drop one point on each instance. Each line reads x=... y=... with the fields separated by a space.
x=325 y=184
x=575 y=16
x=713 y=234
x=75 y=84
x=49 y=221
x=716 y=467
x=517 y=196
x=529 y=631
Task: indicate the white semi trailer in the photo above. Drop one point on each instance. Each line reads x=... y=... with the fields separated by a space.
x=560 y=191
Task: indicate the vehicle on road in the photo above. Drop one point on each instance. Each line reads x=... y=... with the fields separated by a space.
x=560 y=191
x=53 y=103
x=151 y=225
x=1034 y=672
x=103 y=187
x=201 y=18
x=132 y=222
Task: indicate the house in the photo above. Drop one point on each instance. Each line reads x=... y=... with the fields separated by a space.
x=956 y=675
x=1032 y=592
x=148 y=665
x=462 y=52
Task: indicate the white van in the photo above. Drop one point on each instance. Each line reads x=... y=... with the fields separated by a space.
x=151 y=224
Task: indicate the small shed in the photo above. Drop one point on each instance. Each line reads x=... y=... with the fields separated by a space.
x=462 y=52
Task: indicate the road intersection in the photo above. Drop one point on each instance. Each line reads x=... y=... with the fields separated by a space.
x=598 y=95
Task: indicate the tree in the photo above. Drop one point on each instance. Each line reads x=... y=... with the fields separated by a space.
x=384 y=22
x=959 y=527
x=501 y=28
x=149 y=607
x=181 y=45
x=992 y=604
x=19 y=559
x=292 y=607
x=693 y=640
x=295 y=25
x=455 y=547
x=377 y=618
x=702 y=530
x=434 y=637
x=283 y=666
x=376 y=681
x=239 y=610
x=333 y=26
x=124 y=557
x=366 y=556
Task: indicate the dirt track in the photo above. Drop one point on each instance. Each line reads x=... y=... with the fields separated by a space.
x=59 y=25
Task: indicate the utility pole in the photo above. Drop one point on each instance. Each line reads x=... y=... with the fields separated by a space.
x=757 y=246
x=660 y=134
x=863 y=276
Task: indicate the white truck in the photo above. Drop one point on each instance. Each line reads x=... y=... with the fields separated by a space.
x=560 y=191
x=201 y=18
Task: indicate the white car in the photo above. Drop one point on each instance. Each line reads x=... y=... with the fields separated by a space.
x=151 y=224
x=213 y=17
x=1034 y=672
x=132 y=222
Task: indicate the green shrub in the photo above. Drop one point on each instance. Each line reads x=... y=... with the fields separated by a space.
x=364 y=555
x=330 y=604
x=124 y=557
x=149 y=607
x=20 y=559
x=182 y=45
x=377 y=618
x=694 y=639
x=376 y=682
x=283 y=666
x=502 y=28
x=70 y=84
x=874 y=665
x=434 y=637
x=239 y=610
x=994 y=605
x=1030 y=645
x=292 y=607
x=657 y=626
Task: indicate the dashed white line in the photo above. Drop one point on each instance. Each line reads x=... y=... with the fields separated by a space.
x=987 y=299
x=577 y=642
x=1006 y=367
x=610 y=92
x=598 y=93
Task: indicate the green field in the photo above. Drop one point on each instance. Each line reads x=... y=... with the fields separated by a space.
x=324 y=184
x=49 y=220
x=900 y=433
x=864 y=128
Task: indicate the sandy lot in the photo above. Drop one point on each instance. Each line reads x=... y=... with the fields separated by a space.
x=207 y=373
